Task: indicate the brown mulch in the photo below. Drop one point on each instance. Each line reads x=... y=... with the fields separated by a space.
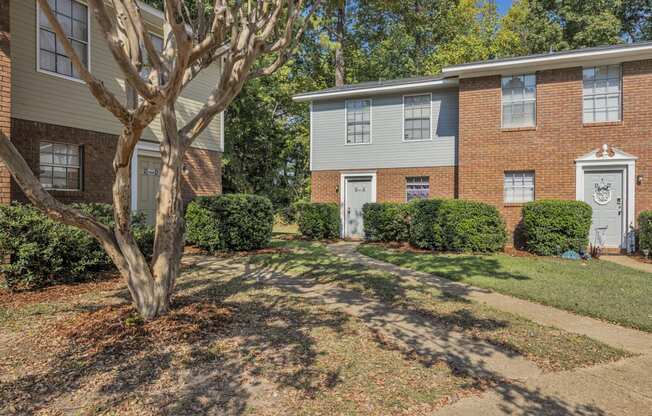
x=118 y=327
x=104 y=281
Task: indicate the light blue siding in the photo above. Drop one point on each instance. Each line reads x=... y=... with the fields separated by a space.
x=387 y=148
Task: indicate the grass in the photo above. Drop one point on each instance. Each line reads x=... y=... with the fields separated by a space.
x=595 y=288
x=239 y=341
x=550 y=348
x=281 y=227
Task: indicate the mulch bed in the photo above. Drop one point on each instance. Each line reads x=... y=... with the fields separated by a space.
x=104 y=281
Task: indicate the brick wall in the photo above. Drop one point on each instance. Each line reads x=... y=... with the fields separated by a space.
x=202 y=174
x=5 y=95
x=486 y=151
x=390 y=186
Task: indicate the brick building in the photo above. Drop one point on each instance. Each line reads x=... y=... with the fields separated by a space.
x=567 y=125
x=64 y=135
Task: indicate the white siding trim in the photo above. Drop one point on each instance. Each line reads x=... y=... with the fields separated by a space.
x=146 y=149
x=628 y=167
x=311 y=127
x=360 y=92
x=371 y=122
x=38 y=44
x=343 y=178
x=222 y=131
x=403 y=120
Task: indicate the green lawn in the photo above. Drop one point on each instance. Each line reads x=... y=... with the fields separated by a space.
x=595 y=288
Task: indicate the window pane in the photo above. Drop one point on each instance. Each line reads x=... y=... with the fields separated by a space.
x=79 y=12
x=45 y=176
x=47 y=61
x=63 y=65
x=66 y=24
x=59 y=178
x=79 y=31
x=80 y=49
x=47 y=40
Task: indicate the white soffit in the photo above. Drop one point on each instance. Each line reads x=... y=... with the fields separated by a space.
x=588 y=57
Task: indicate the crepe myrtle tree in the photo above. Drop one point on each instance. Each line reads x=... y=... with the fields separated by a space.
x=246 y=38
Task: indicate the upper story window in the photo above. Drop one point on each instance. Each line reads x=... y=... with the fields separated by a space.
x=416 y=117
x=358 y=121
x=158 y=45
x=73 y=17
x=519 y=98
x=519 y=187
x=60 y=166
x=417 y=187
x=602 y=94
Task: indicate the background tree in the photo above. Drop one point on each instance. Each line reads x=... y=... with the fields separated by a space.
x=248 y=40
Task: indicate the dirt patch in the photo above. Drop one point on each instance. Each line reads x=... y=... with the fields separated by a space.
x=104 y=281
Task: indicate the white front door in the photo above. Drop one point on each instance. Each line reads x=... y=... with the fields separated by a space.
x=149 y=173
x=358 y=192
x=604 y=191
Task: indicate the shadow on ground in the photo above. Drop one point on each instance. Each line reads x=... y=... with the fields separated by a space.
x=225 y=353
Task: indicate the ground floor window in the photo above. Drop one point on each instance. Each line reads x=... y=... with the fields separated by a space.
x=519 y=187
x=60 y=166
x=417 y=187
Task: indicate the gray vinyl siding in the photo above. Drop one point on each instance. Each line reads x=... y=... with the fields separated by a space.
x=46 y=98
x=387 y=148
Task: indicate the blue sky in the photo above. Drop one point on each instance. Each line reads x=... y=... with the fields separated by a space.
x=503 y=5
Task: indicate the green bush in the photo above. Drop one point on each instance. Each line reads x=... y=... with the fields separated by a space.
x=386 y=221
x=318 y=221
x=469 y=226
x=425 y=228
x=645 y=230
x=43 y=252
x=232 y=222
x=551 y=227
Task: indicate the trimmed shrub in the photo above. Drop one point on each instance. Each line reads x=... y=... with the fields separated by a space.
x=552 y=227
x=43 y=252
x=425 y=228
x=469 y=226
x=236 y=222
x=318 y=221
x=645 y=230
x=202 y=227
x=386 y=221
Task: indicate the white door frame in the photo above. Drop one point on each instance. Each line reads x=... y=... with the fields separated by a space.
x=343 y=181
x=141 y=149
x=615 y=160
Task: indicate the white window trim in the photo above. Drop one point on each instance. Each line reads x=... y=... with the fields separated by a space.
x=534 y=186
x=346 y=125
x=312 y=109
x=536 y=92
x=620 y=95
x=406 y=185
x=80 y=167
x=343 y=178
x=38 y=44
x=431 y=120
x=141 y=149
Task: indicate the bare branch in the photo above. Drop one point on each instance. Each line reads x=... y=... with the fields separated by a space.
x=130 y=72
x=34 y=191
x=103 y=96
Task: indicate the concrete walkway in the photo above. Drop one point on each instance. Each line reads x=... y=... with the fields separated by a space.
x=622 y=388
x=629 y=262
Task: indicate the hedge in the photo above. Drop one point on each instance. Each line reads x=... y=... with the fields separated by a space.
x=552 y=227
x=469 y=226
x=386 y=221
x=425 y=228
x=645 y=230
x=43 y=252
x=318 y=221
x=236 y=222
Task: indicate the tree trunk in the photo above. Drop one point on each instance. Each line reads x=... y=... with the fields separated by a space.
x=340 y=30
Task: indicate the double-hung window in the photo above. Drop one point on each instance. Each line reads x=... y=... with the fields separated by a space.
x=602 y=94
x=519 y=187
x=416 y=117
x=73 y=17
x=519 y=98
x=60 y=166
x=158 y=43
x=417 y=187
x=358 y=121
